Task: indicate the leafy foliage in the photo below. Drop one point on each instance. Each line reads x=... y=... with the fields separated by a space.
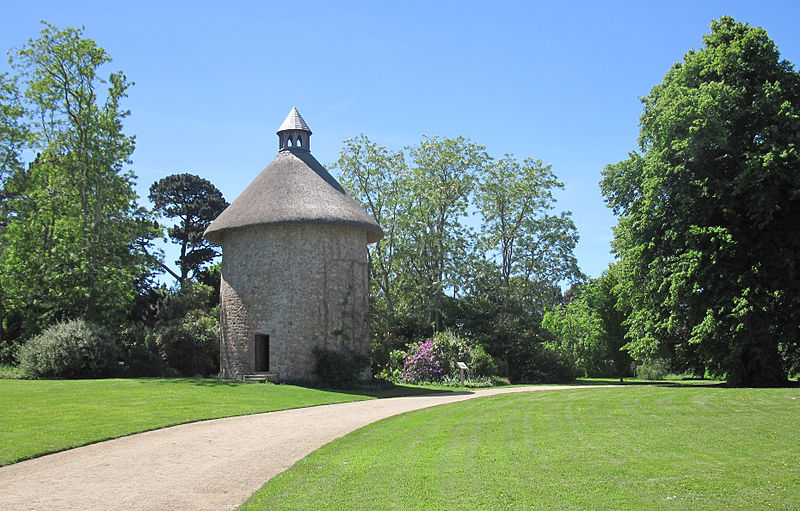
x=187 y=330
x=431 y=272
x=339 y=368
x=436 y=360
x=421 y=363
x=589 y=331
x=195 y=203
x=72 y=349
x=69 y=246
x=652 y=369
x=449 y=349
x=706 y=210
x=515 y=199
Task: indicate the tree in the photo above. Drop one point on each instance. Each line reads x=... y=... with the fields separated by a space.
x=515 y=199
x=605 y=298
x=373 y=176
x=436 y=243
x=70 y=244
x=13 y=137
x=431 y=271
x=195 y=202
x=709 y=207
x=578 y=334
x=589 y=327
x=186 y=329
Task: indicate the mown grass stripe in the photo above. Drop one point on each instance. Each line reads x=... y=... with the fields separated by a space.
x=629 y=448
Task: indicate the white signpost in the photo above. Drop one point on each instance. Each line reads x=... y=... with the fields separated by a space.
x=463 y=367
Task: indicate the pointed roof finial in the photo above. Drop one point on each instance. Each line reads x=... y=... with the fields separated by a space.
x=294 y=134
x=294 y=121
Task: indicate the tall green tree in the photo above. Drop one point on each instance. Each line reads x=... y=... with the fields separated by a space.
x=431 y=271
x=374 y=177
x=437 y=243
x=194 y=203
x=70 y=246
x=13 y=138
x=515 y=200
x=709 y=207
x=589 y=327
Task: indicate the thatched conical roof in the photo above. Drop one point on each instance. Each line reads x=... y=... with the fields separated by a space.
x=294 y=189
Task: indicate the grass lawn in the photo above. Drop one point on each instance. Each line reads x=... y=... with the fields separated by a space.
x=638 y=447
x=43 y=416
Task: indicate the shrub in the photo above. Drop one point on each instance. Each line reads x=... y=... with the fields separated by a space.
x=421 y=363
x=8 y=351
x=339 y=368
x=653 y=369
x=393 y=370
x=72 y=349
x=187 y=331
x=470 y=383
x=544 y=365
x=449 y=349
x=140 y=353
x=499 y=380
x=397 y=359
x=481 y=363
x=9 y=372
x=191 y=344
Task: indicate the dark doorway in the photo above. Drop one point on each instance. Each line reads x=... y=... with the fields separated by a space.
x=262 y=353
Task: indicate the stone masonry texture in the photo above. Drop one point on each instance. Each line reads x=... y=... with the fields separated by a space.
x=304 y=285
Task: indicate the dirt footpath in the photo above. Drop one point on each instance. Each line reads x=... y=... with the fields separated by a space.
x=210 y=465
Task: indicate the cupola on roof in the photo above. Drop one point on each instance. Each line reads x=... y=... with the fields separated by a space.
x=294 y=133
x=293 y=188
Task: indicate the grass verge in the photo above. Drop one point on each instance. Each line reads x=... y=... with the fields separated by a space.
x=638 y=447
x=44 y=416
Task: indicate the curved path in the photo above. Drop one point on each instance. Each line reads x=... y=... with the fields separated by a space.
x=209 y=465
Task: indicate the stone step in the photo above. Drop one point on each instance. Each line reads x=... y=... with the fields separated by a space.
x=260 y=377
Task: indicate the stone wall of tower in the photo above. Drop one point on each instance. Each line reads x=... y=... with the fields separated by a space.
x=303 y=285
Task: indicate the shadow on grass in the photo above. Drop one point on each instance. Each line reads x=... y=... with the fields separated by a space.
x=385 y=389
x=380 y=390
x=686 y=382
x=199 y=382
x=678 y=383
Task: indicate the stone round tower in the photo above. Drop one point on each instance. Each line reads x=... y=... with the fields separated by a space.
x=294 y=266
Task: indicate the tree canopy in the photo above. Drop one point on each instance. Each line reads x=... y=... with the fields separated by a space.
x=194 y=202
x=68 y=243
x=433 y=271
x=709 y=210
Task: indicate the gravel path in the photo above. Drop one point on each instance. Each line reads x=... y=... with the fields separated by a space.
x=209 y=465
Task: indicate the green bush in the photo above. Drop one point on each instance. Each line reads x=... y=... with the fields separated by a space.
x=499 y=380
x=449 y=349
x=72 y=349
x=544 y=365
x=9 y=372
x=8 y=351
x=653 y=369
x=393 y=370
x=187 y=331
x=481 y=363
x=339 y=368
x=397 y=358
x=191 y=344
x=470 y=383
x=140 y=353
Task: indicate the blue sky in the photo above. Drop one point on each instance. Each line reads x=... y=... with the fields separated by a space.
x=557 y=81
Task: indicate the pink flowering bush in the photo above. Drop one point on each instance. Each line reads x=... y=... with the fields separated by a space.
x=421 y=364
